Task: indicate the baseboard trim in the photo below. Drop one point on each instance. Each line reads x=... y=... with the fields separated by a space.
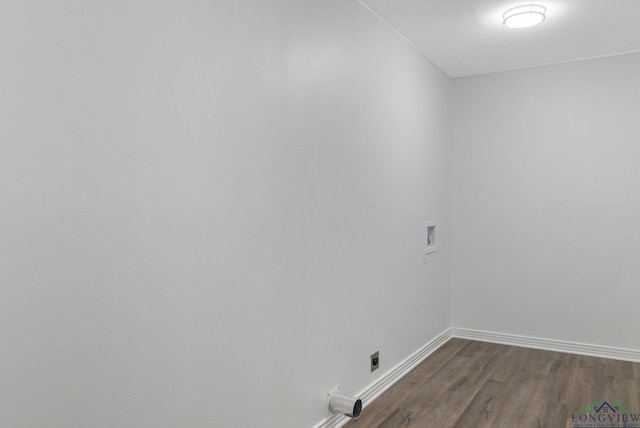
x=548 y=344
x=373 y=391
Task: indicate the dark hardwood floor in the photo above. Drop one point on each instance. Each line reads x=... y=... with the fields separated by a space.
x=476 y=384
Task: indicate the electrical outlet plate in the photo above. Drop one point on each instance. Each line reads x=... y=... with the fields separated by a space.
x=375 y=358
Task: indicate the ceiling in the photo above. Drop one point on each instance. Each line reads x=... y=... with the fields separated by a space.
x=466 y=37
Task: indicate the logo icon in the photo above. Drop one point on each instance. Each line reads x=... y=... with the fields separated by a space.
x=605 y=414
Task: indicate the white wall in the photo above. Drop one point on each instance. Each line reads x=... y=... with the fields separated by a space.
x=213 y=212
x=545 y=202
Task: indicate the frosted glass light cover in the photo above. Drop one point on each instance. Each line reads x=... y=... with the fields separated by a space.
x=524 y=16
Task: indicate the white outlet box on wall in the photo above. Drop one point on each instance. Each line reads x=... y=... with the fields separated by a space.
x=431 y=238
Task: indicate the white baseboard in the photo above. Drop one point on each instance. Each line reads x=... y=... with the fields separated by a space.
x=374 y=390
x=632 y=355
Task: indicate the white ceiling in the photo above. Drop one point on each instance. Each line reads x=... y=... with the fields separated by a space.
x=466 y=37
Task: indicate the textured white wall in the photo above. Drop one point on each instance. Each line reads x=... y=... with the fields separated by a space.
x=212 y=212
x=545 y=202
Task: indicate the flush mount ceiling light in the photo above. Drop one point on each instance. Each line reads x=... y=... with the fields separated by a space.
x=524 y=16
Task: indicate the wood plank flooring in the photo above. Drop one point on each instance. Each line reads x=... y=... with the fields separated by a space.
x=477 y=385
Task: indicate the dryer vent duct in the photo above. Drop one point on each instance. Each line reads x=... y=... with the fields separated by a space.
x=344 y=405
